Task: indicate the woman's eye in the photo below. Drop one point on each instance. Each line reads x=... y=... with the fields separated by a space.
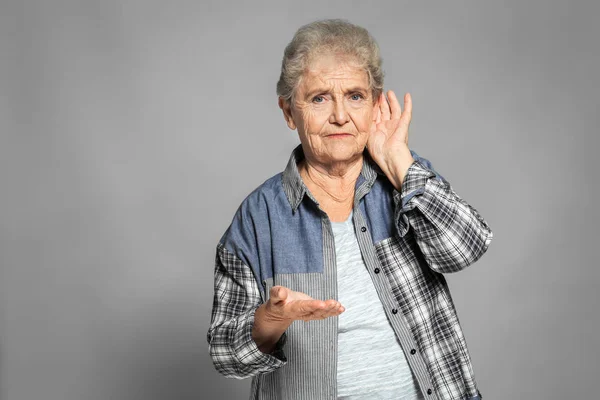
x=318 y=99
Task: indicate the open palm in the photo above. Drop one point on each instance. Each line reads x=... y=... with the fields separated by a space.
x=287 y=304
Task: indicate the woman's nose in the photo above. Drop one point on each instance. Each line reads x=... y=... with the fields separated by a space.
x=339 y=114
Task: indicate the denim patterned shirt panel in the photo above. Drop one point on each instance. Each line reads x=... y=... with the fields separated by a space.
x=270 y=239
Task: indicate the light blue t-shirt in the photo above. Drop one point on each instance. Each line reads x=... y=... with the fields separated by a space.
x=371 y=362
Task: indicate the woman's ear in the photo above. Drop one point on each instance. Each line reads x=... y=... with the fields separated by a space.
x=376 y=109
x=286 y=107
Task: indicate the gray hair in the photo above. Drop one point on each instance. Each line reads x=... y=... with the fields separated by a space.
x=333 y=36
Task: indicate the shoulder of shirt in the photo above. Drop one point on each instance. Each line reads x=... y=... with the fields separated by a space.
x=265 y=192
x=254 y=209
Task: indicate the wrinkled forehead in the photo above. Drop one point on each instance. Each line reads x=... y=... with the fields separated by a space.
x=333 y=72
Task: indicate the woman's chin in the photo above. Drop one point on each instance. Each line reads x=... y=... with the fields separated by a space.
x=338 y=154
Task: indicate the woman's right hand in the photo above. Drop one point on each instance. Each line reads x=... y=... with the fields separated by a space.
x=287 y=305
x=283 y=307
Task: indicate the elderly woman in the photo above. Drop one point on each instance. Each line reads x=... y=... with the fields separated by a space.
x=329 y=281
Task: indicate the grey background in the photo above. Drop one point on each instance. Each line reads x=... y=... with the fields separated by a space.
x=131 y=131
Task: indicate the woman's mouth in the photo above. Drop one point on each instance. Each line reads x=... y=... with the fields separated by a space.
x=339 y=135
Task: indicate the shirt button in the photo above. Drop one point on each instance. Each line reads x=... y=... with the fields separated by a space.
x=429 y=391
x=413 y=351
x=363 y=229
x=377 y=270
x=394 y=311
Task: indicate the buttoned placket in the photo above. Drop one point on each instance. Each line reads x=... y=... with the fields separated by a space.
x=330 y=271
x=390 y=304
x=330 y=267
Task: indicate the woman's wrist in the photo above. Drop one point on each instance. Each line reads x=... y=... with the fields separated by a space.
x=396 y=168
x=267 y=331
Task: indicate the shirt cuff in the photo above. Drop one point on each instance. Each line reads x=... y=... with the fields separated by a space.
x=414 y=182
x=413 y=185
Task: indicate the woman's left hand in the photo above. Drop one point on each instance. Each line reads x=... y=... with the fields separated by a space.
x=388 y=139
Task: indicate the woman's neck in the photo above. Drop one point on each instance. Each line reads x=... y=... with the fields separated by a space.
x=332 y=185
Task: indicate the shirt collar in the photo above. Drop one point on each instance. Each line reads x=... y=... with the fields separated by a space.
x=295 y=189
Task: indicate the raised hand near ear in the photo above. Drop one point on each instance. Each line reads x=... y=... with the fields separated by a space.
x=388 y=139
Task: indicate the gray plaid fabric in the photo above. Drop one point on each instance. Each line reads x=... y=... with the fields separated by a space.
x=237 y=297
x=435 y=232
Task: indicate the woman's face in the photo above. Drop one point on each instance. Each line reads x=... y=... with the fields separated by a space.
x=333 y=110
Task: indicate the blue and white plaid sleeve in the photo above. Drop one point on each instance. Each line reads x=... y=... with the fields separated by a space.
x=237 y=296
x=450 y=233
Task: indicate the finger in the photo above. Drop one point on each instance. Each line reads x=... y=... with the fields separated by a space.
x=322 y=314
x=373 y=127
x=332 y=309
x=321 y=311
x=307 y=310
x=385 y=108
x=304 y=308
x=278 y=294
x=394 y=105
x=332 y=303
x=407 y=114
x=378 y=109
x=334 y=312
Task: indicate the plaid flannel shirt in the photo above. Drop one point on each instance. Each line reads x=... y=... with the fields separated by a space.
x=280 y=236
